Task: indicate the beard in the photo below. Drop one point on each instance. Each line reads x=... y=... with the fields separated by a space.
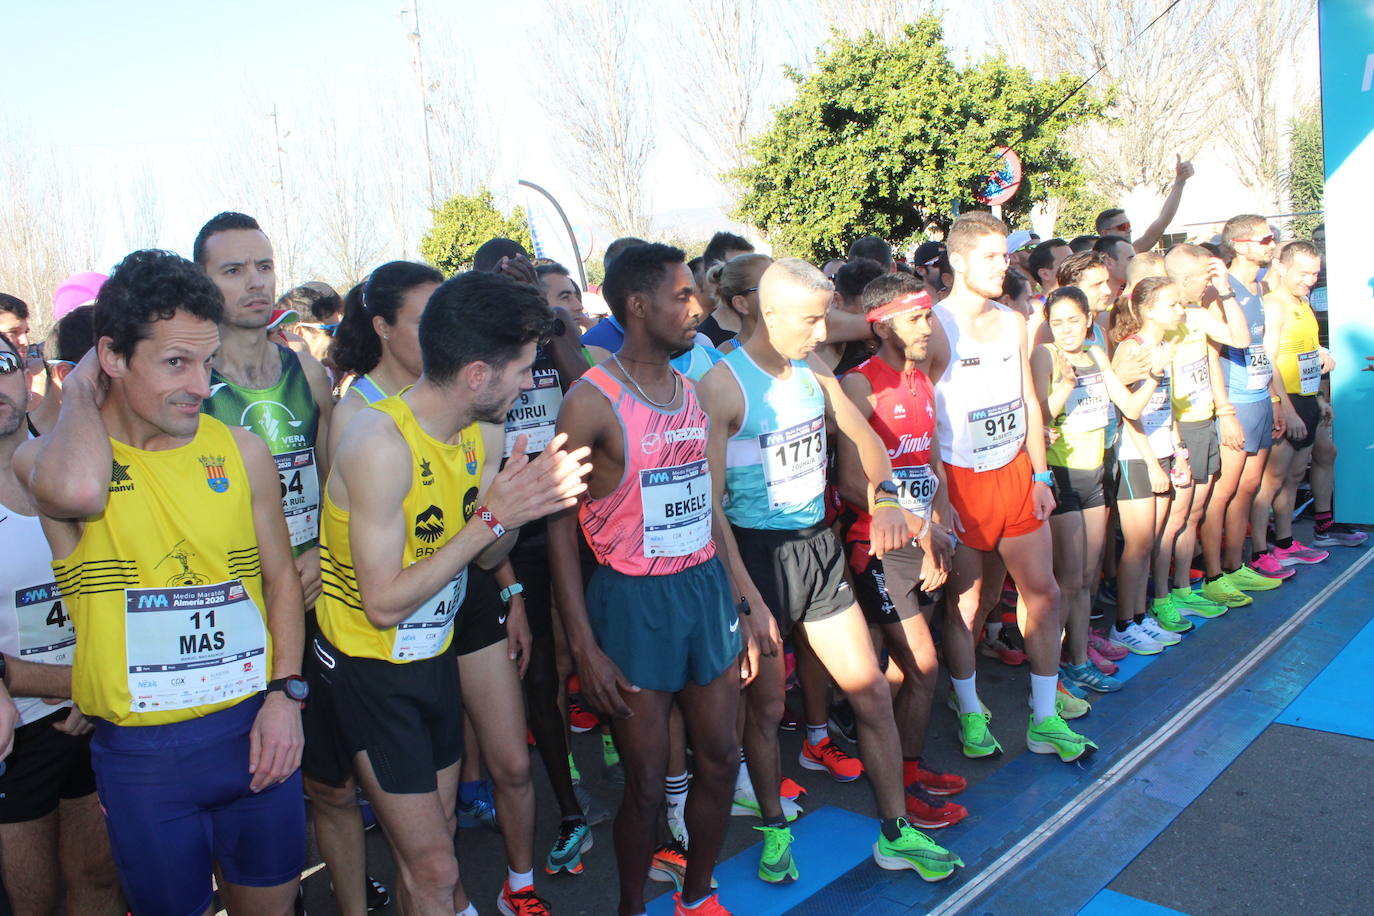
x=491 y=409
x=10 y=424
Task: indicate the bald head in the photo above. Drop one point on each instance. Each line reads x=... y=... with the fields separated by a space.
x=793 y=299
x=1187 y=266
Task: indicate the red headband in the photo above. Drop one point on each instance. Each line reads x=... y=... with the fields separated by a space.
x=911 y=302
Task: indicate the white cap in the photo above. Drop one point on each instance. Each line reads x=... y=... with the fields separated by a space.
x=1017 y=240
x=593 y=304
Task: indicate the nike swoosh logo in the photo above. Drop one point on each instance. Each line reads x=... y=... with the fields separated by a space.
x=734 y=625
x=4 y=518
x=214 y=389
x=502 y=619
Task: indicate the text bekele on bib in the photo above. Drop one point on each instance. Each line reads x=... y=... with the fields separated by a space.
x=300 y=494
x=676 y=504
x=794 y=463
x=193 y=645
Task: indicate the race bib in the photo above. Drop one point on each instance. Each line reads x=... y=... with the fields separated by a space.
x=300 y=494
x=1086 y=407
x=46 y=634
x=193 y=645
x=1309 y=372
x=535 y=413
x=1194 y=383
x=424 y=633
x=916 y=488
x=1258 y=369
x=996 y=433
x=676 y=503
x=794 y=463
x=1156 y=418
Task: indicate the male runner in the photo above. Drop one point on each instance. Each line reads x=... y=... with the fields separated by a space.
x=53 y=842
x=173 y=561
x=894 y=593
x=282 y=397
x=999 y=492
x=1247 y=435
x=769 y=403
x=1115 y=222
x=403 y=518
x=658 y=621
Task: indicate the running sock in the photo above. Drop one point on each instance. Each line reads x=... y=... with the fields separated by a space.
x=1283 y=543
x=1138 y=618
x=1212 y=578
x=966 y=692
x=1229 y=571
x=675 y=788
x=1324 y=520
x=1043 y=688
x=468 y=792
x=573 y=820
x=1121 y=625
x=993 y=628
x=779 y=821
x=891 y=829
x=470 y=910
x=815 y=734
x=518 y=881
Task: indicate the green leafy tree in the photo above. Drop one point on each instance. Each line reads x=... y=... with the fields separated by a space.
x=1305 y=176
x=886 y=134
x=463 y=223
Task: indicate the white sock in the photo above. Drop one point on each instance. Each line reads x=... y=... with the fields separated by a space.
x=815 y=734
x=520 y=880
x=675 y=788
x=966 y=692
x=1043 y=689
x=742 y=780
x=470 y=911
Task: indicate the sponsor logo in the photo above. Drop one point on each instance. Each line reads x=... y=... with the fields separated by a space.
x=215 y=476
x=502 y=619
x=970 y=362
x=184 y=576
x=425 y=470
x=899 y=412
x=470 y=456
x=650 y=443
x=120 y=480
x=274 y=423
x=429 y=525
x=909 y=444
x=734 y=625
x=469 y=503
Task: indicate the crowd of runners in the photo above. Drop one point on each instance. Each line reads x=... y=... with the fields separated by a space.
x=280 y=565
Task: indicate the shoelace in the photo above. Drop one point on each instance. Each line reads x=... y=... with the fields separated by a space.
x=528 y=903
x=921 y=795
x=565 y=837
x=832 y=752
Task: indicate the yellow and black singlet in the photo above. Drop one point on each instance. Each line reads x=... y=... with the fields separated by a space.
x=165 y=586
x=443 y=495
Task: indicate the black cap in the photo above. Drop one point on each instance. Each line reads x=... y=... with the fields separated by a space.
x=928 y=253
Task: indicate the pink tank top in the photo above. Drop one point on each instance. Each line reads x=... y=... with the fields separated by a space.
x=657 y=520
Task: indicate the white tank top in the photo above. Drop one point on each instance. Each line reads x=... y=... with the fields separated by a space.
x=34 y=625
x=978 y=399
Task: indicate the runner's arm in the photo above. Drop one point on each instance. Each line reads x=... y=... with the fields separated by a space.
x=1182 y=172
x=30 y=679
x=68 y=470
x=1130 y=403
x=1035 y=445
x=1052 y=397
x=494 y=443
x=1225 y=322
x=323 y=394
x=852 y=483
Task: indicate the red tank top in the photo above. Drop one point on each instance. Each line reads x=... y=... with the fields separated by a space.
x=657 y=520
x=904 y=418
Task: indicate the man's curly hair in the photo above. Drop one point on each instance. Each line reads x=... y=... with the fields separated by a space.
x=147 y=286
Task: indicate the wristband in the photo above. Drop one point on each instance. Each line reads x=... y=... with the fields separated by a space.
x=1045 y=477
x=491 y=521
x=510 y=591
x=1226 y=295
x=1274 y=398
x=886 y=502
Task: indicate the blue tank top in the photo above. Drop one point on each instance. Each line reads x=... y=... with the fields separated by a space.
x=775 y=463
x=368 y=389
x=1247 y=370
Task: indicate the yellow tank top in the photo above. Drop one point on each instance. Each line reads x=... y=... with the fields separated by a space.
x=165 y=586
x=441 y=499
x=1192 y=379
x=1299 y=361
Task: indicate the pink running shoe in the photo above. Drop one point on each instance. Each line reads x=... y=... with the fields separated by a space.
x=1103 y=664
x=1105 y=647
x=1267 y=565
x=1298 y=553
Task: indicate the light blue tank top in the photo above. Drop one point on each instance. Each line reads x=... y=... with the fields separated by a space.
x=775 y=464
x=697 y=361
x=1247 y=371
x=371 y=394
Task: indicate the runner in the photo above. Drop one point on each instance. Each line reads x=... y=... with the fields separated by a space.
x=1149 y=452
x=895 y=593
x=396 y=569
x=1115 y=222
x=1074 y=382
x=53 y=842
x=999 y=492
x=202 y=778
x=722 y=324
x=282 y=397
x=1301 y=362
x=1246 y=434
x=769 y=404
x=657 y=622
x=737 y=288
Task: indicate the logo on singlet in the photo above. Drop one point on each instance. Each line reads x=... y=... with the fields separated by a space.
x=426 y=474
x=971 y=361
x=185 y=575
x=470 y=456
x=899 y=412
x=216 y=477
x=650 y=443
x=469 y=503
x=274 y=424
x=908 y=444
x=429 y=525
x=120 y=480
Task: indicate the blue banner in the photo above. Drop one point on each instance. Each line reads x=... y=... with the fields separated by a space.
x=1347 y=66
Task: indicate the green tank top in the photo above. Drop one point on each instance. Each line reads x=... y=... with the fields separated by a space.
x=287 y=418
x=1082 y=423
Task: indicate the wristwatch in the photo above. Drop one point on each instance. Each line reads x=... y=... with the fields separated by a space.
x=889 y=488
x=510 y=591
x=294 y=686
x=743 y=607
x=1226 y=295
x=1045 y=477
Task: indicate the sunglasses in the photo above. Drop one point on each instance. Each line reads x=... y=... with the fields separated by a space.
x=1267 y=240
x=1123 y=227
x=745 y=292
x=327 y=328
x=10 y=363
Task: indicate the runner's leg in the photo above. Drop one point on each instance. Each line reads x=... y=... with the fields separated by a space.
x=1068 y=530
x=338 y=825
x=708 y=711
x=1028 y=559
x=1238 y=513
x=643 y=743
x=1218 y=507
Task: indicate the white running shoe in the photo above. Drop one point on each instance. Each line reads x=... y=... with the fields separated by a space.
x=1158 y=633
x=746 y=804
x=1135 y=639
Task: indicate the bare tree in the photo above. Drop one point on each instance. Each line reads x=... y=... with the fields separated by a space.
x=342 y=196
x=601 y=95
x=720 y=63
x=855 y=17
x=1160 y=105
x=140 y=209
x=1261 y=81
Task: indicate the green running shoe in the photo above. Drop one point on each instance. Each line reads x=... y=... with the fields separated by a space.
x=977 y=740
x=1053 y=736
x=1191 y=604
x=1248 y=580
x=1168 y=617
x=775 y=862
x=1069 y=706
x=916 y=851
x=1222 y=591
